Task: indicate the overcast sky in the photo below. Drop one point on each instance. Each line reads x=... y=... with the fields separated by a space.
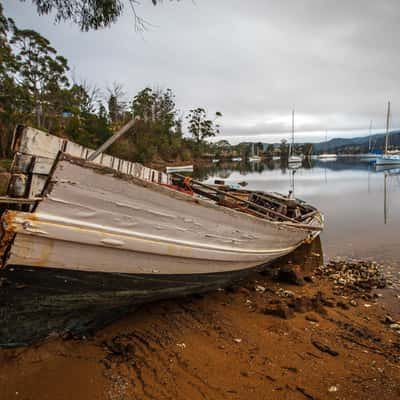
x=337 y=63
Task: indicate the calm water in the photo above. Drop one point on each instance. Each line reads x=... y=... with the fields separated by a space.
x=349 y=192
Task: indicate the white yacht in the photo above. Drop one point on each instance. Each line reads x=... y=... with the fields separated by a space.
x=388 y=158
x=293 y=159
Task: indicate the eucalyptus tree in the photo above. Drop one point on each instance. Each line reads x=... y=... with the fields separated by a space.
x=159 y=128
x=200 y=126
x=41 y=73
x=91 y=14
x=7 y=83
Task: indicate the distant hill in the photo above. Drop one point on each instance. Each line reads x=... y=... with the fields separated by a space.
x=357 y=144
x=353 y=145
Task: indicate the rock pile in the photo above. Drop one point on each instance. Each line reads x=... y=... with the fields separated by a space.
x=354 y=274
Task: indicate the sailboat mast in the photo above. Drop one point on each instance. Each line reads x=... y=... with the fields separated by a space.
x=326 y=141
x=370 y=129
x=292 y=132
x=387 y=128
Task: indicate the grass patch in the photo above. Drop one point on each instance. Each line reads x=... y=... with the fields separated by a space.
x=5 y=165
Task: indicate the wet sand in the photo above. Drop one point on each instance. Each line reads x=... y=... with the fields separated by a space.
x=262 y=339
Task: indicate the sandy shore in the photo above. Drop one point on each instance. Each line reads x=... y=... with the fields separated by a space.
x=263 y=339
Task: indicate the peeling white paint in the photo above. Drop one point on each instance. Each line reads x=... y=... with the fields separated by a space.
x=98 y=222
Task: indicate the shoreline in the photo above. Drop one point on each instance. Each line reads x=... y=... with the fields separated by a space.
x=298 y=334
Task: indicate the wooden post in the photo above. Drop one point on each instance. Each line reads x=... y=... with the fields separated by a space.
x=112 y=139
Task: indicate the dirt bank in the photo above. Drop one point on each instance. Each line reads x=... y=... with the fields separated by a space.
x=261 y=340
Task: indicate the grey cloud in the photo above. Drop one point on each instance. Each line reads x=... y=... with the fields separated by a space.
x=335 y=61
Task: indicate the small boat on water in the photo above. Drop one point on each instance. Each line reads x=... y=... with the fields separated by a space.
x=236 y=159
x=372 y=154
x=254 y=157
x=108 y=233
x=388 y=158
x=294 y=165
x=294 y=161
x=327 y=156
x=179 y=168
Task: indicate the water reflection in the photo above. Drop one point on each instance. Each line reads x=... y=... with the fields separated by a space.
x=360 y=202
x=395 y=174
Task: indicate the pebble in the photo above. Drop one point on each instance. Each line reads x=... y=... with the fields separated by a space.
x=259 y=288
x=285 y=293
x=355 y=274
x=388 y=319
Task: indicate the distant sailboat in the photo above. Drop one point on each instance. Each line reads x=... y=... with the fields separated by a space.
x=372 y=154
x=293 y=159
x=388 y=158
x=327 y=156
x=254 y=157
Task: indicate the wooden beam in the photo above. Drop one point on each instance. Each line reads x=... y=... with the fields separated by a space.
x=16 y=200
x=112 y=139
x=250 y=203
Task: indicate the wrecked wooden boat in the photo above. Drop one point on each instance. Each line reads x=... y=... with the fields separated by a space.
x=98 y=235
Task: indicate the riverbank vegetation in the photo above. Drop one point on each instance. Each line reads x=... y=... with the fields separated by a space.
x=37 y=90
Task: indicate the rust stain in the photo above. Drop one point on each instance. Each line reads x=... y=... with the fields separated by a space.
x=8 y=233
x=31 y=216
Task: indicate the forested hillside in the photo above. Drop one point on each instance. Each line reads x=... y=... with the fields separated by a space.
x=36 y=89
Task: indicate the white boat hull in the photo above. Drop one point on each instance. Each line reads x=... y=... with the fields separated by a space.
x=105 y=236
x=182 y=168
x=388 y=160
x=97 y=222
x=327 y=157
x=294 y=160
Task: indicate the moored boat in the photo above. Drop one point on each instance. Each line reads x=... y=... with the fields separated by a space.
x=109 y=233
x=294 y=160
x=327 y=156
x=179 y=168
x=389 y=157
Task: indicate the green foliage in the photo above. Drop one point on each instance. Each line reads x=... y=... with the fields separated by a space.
x=89 y=14
x=270 y=151
x=202 y=128
x=42 y=74
x=284 y=149
x=158 y=129
x=35 y=90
